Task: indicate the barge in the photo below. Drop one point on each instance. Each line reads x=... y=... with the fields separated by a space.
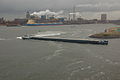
x=70 y=40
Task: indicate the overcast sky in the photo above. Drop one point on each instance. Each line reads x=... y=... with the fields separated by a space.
x=86 y=7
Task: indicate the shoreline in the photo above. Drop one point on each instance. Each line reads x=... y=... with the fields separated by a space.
x=106 y=35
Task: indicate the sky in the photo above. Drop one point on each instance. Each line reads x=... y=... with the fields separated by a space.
x=88 y=8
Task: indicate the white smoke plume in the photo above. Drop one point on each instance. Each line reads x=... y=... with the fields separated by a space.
x=48 y=13
x=77 y=14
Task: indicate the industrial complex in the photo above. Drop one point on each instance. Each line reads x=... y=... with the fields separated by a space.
x=45 y=18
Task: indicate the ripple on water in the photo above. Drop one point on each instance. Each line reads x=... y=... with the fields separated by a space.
x=75 y=63
x=106 y=60
x=99 y=76
x=56 y=53
x=77 y=67
x=3 y=39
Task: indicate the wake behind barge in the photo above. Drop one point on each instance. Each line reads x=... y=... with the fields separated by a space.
x=70 y=40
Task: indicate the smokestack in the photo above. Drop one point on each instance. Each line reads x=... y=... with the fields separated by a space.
x=27 y=15
x=74 y=15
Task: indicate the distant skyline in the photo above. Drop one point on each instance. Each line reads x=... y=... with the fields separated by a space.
x=89 y=9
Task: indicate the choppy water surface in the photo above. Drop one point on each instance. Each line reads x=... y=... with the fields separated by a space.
x=47 y=60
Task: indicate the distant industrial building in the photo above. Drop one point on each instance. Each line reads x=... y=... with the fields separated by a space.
x=103 y=17
x=44 y=18
x=2 y=20
x=20 y=21
x=27 y=15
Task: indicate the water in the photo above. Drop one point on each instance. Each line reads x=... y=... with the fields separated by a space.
x=47 y=60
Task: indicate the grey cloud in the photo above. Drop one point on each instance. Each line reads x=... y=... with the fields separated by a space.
x=38 y=4
x=99 y=7
x=82 y=5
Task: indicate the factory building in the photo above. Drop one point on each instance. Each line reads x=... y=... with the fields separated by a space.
x=103 y=17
